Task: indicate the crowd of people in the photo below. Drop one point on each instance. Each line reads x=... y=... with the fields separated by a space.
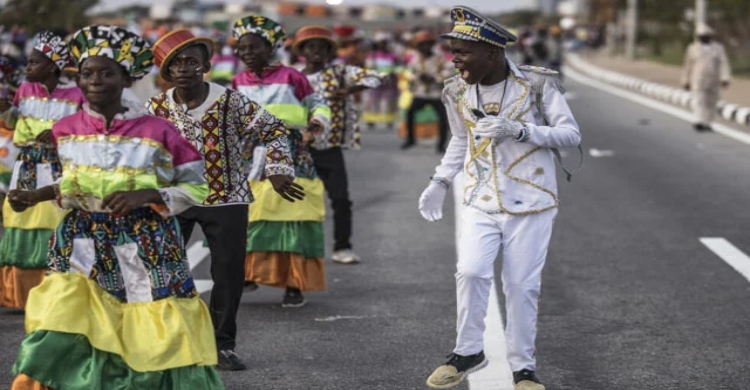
x=119 y=145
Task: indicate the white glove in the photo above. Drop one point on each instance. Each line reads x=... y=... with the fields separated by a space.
x=498 y=128
x=431 y=202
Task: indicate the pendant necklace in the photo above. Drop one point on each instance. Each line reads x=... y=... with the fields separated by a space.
x=479 y=111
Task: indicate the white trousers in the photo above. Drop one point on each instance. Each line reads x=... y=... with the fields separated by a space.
x=523 y=241
x=705 y=100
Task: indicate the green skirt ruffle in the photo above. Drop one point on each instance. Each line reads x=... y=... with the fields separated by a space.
x=25 y=248
x=305 y=237
x=67 y=361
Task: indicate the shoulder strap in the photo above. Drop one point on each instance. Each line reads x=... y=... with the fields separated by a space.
x=539 y=84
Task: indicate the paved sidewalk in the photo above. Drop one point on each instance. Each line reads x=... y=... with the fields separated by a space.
x=670 y=75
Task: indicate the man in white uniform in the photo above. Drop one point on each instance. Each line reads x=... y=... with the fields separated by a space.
x=505 y=123
x=706 y=71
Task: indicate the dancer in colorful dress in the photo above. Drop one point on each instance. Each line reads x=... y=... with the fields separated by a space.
x=218 y=122
x=507 y=122
x=119 y=309
x=285 y=242
x=42 y=100
x=381 y=103
x=337 y=84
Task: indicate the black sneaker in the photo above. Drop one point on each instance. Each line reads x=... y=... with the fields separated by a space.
x=408 y=144
x=526 y=380
x=293 y=298
x=230 y=361
x=702 y=127
x=455 y=370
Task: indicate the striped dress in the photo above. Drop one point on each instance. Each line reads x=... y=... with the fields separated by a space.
x=285 y=242
x=119 y=309
x=24 y=245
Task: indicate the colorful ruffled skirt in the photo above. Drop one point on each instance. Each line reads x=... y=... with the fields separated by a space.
x=285 y=241
x=25 y=242
x=117 y=311
x=426 y=120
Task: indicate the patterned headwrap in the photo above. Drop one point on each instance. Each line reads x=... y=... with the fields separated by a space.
x=124 y=47
x=53 y=47
x=260 y=25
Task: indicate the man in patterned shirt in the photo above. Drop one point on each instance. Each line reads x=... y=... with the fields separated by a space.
x=219 y=122
x=336 y=84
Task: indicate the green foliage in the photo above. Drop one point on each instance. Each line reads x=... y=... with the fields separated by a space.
x=37 y=15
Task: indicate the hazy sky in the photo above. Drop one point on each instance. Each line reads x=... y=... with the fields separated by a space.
x=481 y=5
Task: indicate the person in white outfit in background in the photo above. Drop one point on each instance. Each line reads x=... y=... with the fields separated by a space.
x=706 y=71
x=505 y=122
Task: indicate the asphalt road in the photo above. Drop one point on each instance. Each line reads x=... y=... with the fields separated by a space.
x=630 y=298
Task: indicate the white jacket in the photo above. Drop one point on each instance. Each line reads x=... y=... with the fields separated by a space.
x=513 y=177
x=706 y=66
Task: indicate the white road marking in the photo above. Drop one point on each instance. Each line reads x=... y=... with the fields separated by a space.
x=497 y=374
x=338 y=318
x=196 y=254
x=203 y=285
x=719 y=128
x=729 y=253
x=601 y=153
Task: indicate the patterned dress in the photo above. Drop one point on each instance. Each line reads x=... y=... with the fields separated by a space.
x=381 y=103
x=24 y=245
x=119 y=309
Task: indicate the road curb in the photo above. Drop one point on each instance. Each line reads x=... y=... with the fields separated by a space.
x=675 y=96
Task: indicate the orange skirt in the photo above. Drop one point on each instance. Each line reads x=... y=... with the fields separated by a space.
x=23 y=382
x=285 y=269
x=15 y=284
x=421 y=130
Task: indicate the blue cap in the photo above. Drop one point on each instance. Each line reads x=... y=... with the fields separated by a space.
x=470 y=25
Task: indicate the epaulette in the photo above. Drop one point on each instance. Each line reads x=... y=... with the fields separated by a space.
x=540 y=76
x=538 y=69
x=451 y=87
x=452 y=80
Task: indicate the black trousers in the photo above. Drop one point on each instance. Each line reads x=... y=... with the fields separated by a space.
x=418 y=104
x=225 y=228
x=332 y=171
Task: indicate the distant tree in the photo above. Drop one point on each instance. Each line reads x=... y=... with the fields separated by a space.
x=35 y=15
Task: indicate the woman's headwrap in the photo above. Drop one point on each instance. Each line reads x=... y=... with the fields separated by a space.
x=268 y=29
x=129 y=50
x=53 y=47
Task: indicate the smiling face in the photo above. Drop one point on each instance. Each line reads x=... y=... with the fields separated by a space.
x=475 y=60
x=317 y=51
x=254 y=51
x=187 y=67
x=102 y=80
x=39 y=67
